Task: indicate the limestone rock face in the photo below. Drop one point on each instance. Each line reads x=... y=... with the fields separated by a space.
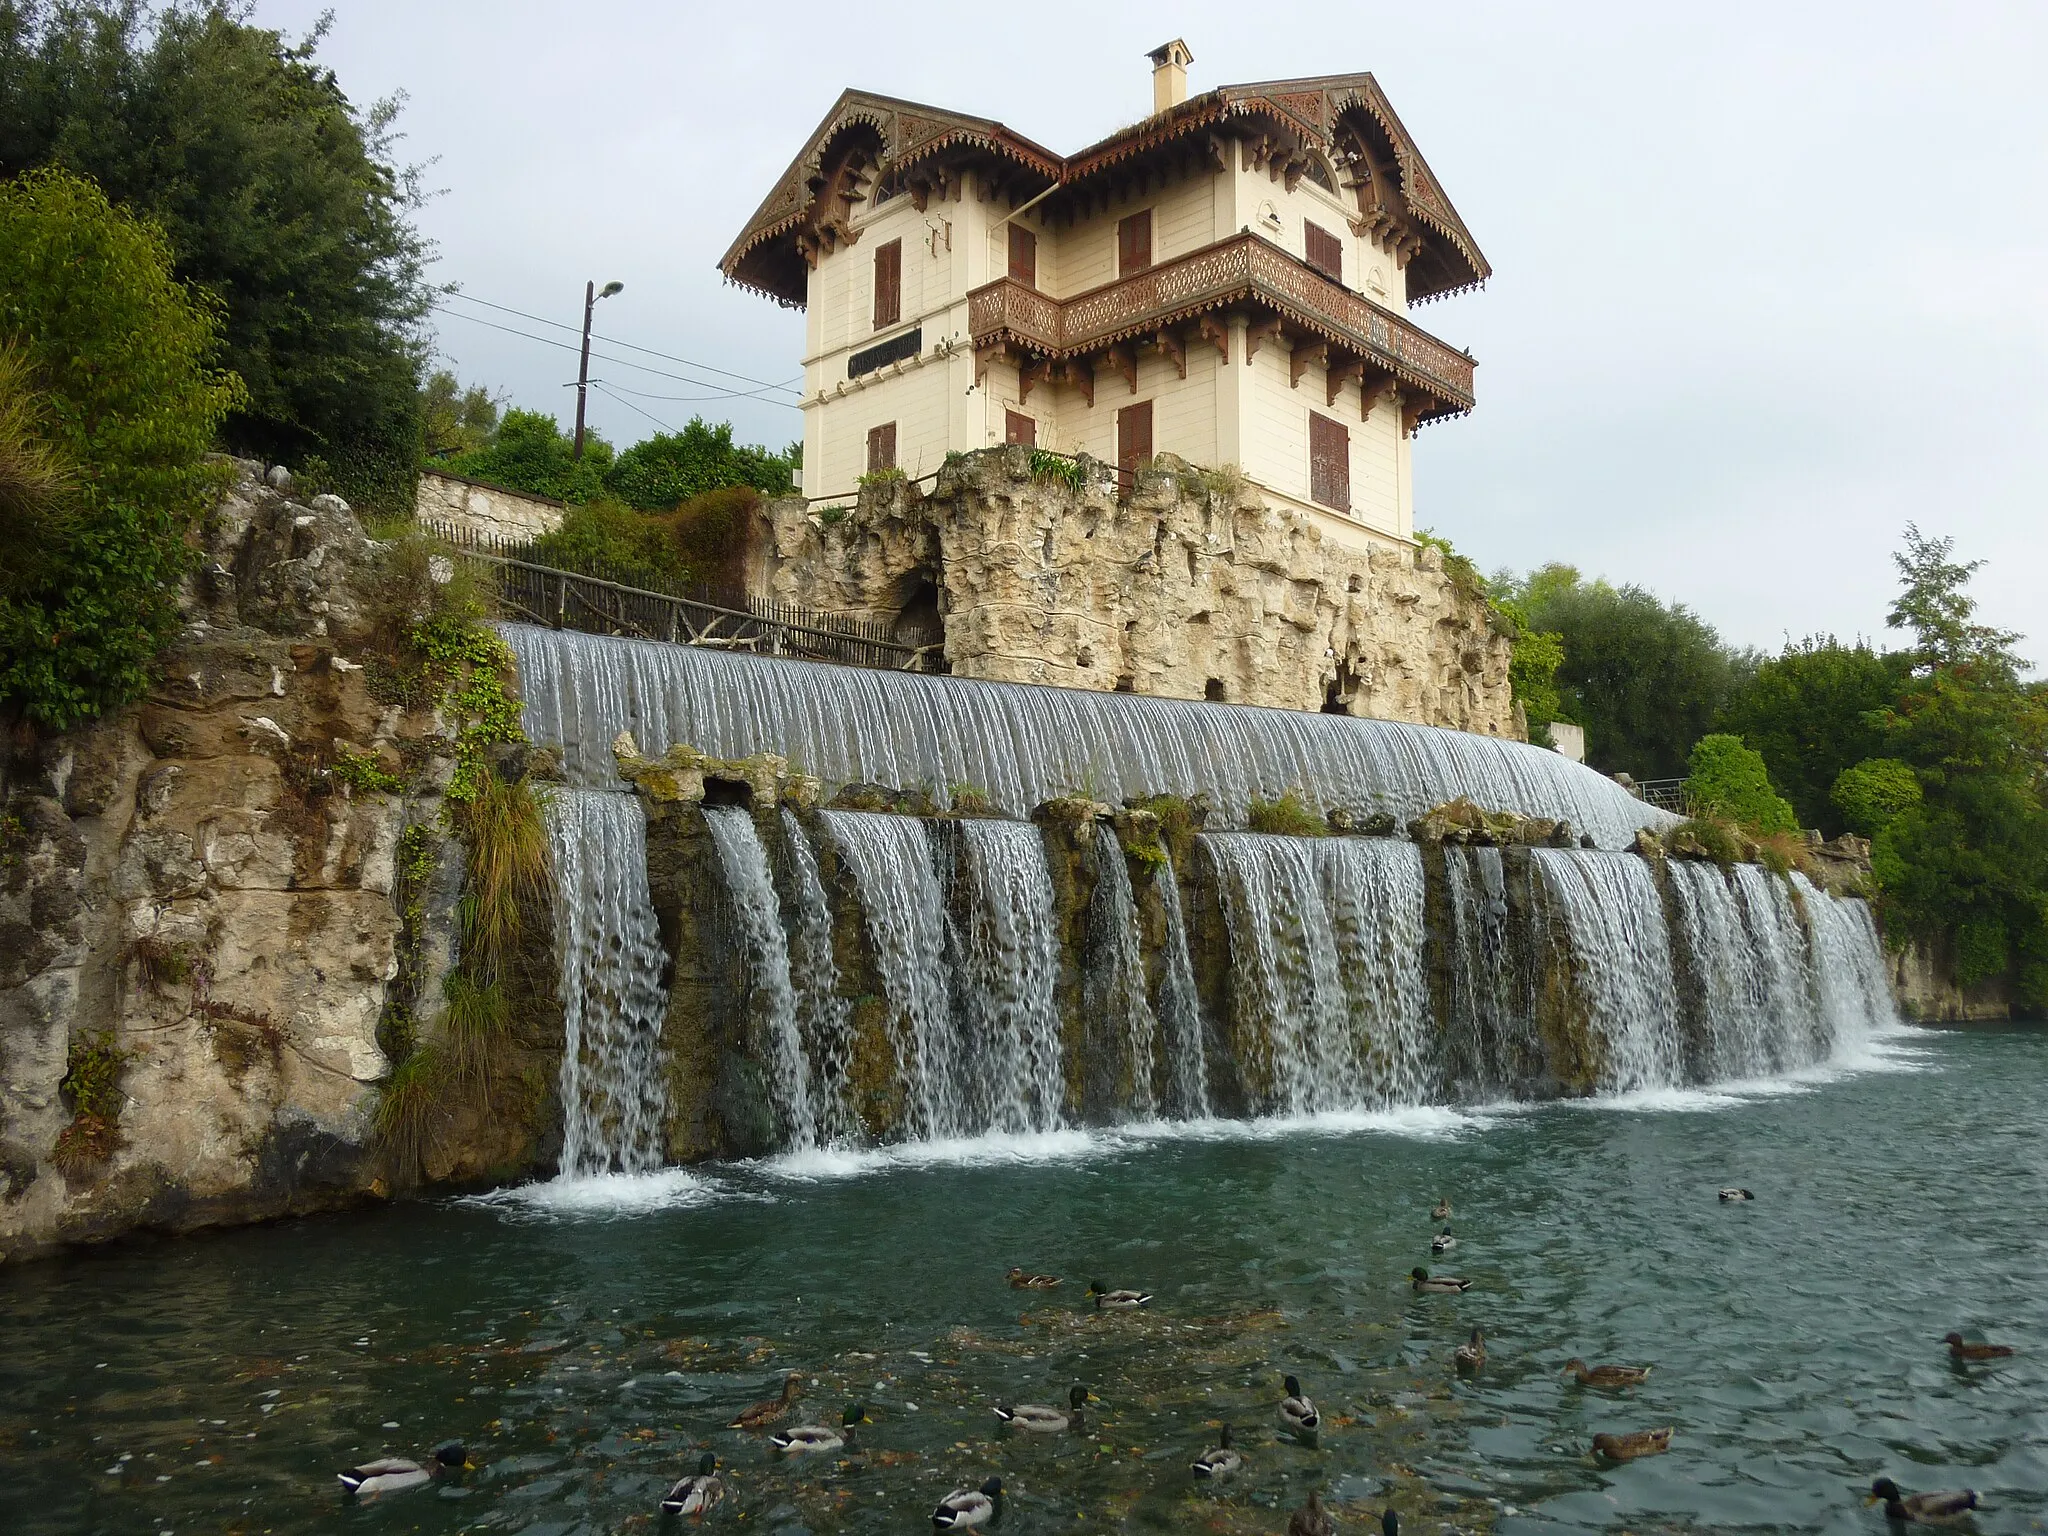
x=1191 y=587
x=185 y=883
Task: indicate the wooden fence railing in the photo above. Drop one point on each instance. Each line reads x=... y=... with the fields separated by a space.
x=541 y=592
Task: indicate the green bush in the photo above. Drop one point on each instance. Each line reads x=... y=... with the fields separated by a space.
x=661 y=472
x=37 y=485
x=1728 y=779
x=1875 y=793
x=1983 y=950
x=1288 y=816
x=530 y=452
x=1810 y=711
x=609 y=539
x=711 y=533
x=122 y=355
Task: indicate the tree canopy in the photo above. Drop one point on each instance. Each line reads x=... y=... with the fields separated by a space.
x=1812 y=713
x=275 y=193
x=118 y=389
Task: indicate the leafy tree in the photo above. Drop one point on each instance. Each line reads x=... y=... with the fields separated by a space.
x=1532 y=671
x=37 y=485
x=1812 y=711
x=620 y=543
x=455 y=420
x=122 y=355
x=1729 y=780
x=530 y=452
x=669 y=468
x=276 y=193
x=1970 y=861
x=1875 y=793
x=1646 y=680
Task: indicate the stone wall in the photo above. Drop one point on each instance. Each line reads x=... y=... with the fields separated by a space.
x=1191 y=587
x=489 y=510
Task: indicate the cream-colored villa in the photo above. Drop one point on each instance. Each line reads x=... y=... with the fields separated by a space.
x=1228 y=280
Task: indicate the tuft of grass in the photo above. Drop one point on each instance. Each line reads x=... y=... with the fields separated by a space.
x=473 y=1027
x=1783 y=852
x=38 y=486
x=1054 y=468
x=92 y=1086
x=509 y=864
x=408 y=1105
x=158 y=965
x=1288 y=816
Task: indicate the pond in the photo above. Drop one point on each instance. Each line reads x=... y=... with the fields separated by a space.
x=587 y=1343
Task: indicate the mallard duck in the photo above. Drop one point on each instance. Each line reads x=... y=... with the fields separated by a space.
x=803 y=1439
x=1441 y=1211
x=1118 y=1301
x=1311 y=1519
x=1949 y=1507
x=1732 y=1193
x=1471 y=1355
x=399 y=1474
x=1442 y=1285
x=1637 y=1442
x=1040 y=1419
x=1220 y=1460
x=769 y=1410
x=696 y=1493
x=1442 y=1243
x=1019 y=1281
x=1298 y=1415
x=965 y=1507
x=1960 y=1348
x=1606 y=1376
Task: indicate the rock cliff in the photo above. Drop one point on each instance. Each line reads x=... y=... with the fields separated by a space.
x=1189 y=587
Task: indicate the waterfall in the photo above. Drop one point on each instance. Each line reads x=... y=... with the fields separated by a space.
x=1180 y=1007
x=1491 y=1029
x=905 y=906
x=744 y=858
x=1620 y=963
x=1855 y=998
x=1008 y=964
x=1024 y=744
x=1329 y=1002
x=612 y=998
x=1113 y=994
x=824 y=1018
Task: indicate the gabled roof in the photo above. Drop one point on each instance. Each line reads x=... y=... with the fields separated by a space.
x=1344 y=123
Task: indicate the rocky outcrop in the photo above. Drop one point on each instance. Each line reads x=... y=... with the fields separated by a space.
x=1189 y=587
x=197 y=914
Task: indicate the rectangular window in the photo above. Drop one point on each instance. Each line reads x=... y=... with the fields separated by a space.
x=882 y=447
x=888 y=284
x=1019 y=428
x=1329 y=462
x=1134 y=243
x=1133 y=442
x=1023 y=256
x=1325 y=251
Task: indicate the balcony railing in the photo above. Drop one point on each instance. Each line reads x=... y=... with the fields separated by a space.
x=1244 y=268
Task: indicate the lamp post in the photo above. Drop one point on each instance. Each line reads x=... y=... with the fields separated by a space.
x=591 y=294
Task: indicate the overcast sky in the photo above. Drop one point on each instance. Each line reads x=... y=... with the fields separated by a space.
x=1770 y=280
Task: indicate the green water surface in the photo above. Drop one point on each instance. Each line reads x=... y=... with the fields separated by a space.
x=215 y=1383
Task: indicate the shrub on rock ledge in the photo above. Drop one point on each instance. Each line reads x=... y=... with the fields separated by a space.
x=1728 y=780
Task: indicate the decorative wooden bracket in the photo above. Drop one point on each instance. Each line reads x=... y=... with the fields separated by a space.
x=1310 y=354
x=1121 y=360
x=1217 y=331
x=1256 y=333
x=1411 y=414
x=1169 y=345
x=1082 y=377
x=1340 y=374
x=1035 y=371
x=1370 y=388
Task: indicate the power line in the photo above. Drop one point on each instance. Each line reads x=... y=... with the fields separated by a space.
x=629 y=405
x=549 y=341
x=628 y=345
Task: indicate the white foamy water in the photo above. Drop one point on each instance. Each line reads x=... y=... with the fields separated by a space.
x=610 y=1194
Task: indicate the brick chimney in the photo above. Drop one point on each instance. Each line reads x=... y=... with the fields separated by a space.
x=1170 y=63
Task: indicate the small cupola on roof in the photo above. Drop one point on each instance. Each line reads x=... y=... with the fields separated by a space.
x=1170 y=63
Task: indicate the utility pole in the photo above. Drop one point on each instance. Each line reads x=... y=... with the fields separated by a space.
x=591 y=295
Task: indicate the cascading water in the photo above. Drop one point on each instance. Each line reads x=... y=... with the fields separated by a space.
x=1180 y=1007
x=824 y=1017
x=744 y=858
x=611 y=968
x=1113 y=994
x=1023 y=744
x=1007 y=961
x=1620 y=956
x=1329 y=1003
x=1848 y=962
x=1491 y=1025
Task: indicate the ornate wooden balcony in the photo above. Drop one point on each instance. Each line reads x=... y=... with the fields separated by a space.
x=1354 y=337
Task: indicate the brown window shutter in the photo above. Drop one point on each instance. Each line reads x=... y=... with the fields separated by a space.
x=1134 y=243
x=1329 y=462
x=1133 y=441
x=1019 y=428
x=888 y=283
x=1023 y=256
x=882 y=447
x=1325 y=251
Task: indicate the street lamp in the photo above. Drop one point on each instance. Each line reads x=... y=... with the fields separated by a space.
x=591 y=294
